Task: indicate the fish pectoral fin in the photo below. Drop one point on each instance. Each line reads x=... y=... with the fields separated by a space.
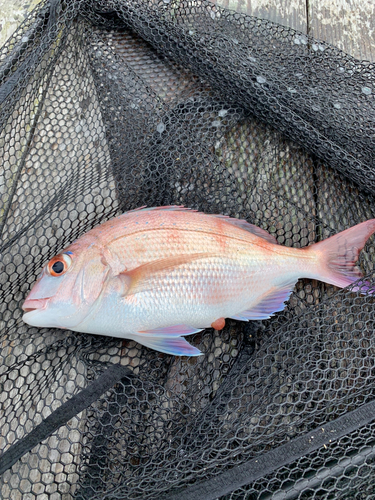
x=176 y=346
x=171 y=331
x=143 y=278
x=273 y=301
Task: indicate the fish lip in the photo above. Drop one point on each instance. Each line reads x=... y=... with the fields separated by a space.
x=31 y=305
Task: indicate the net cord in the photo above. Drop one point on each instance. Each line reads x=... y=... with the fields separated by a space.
x=270 y=461
x=64 y=413
x=344 y=466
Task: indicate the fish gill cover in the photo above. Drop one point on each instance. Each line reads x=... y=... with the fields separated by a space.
x=106 y=106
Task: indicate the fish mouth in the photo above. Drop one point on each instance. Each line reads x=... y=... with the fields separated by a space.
x=31 y=305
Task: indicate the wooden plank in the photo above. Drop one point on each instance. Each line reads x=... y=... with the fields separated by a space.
x=12 y=13
x=291 y=13
x=348 y=24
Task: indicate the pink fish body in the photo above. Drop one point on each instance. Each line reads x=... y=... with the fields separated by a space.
x=155 y=275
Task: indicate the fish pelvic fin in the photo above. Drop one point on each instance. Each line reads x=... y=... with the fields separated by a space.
x=177 y=346
x=170 y=331
x=338 y=255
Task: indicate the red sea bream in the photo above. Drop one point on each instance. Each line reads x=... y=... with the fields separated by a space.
x=157 y=274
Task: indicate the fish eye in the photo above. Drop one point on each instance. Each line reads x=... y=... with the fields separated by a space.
x=59 y=264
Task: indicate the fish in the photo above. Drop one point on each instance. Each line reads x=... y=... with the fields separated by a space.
x=156 y=275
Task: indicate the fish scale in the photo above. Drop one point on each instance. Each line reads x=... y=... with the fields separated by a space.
x=157 y=275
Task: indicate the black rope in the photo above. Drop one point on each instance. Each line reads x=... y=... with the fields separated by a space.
x=63 y=414
x=269 y=462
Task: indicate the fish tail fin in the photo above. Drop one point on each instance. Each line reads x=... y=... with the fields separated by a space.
x=338 y=255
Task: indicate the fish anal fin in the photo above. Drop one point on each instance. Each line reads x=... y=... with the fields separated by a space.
x=141 y=278
x=176 y=346
x=273 y=301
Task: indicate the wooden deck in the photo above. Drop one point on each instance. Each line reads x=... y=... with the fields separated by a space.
x=347 y=24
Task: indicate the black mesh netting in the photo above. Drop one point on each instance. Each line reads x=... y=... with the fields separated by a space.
x=108 y=106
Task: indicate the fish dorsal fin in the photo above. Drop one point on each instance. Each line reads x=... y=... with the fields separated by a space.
x=270 y=303
x=176 y=346
x=243 y=224
x=169 y=208
x=143 y=278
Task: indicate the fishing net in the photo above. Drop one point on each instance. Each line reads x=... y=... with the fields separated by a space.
x=106 y=106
